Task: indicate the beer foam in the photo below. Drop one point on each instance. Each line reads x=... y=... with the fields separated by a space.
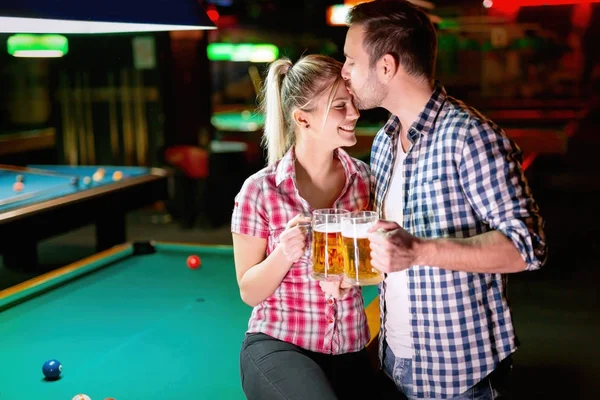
x=328 y=228
x=358 y=231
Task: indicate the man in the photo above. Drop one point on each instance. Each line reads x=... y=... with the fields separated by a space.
x=457 y=213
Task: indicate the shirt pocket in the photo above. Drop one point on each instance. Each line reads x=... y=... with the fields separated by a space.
x=429 y=213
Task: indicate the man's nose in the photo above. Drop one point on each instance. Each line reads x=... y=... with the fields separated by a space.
x=345 y=73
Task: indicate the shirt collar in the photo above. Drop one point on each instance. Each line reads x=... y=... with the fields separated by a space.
x=286 y=168
x=424 y=122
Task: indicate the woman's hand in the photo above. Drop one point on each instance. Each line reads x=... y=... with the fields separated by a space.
x=293 y=239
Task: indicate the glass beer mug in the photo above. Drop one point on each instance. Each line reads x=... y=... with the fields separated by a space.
x=327 y=261
x=356 y=249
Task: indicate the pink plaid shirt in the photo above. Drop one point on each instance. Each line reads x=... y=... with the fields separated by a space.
x=299 y=312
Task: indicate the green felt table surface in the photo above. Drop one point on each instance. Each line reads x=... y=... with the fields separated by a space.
x=238 y=121
x=128 y=325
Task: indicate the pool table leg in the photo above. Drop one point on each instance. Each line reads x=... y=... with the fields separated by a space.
x=110 y=231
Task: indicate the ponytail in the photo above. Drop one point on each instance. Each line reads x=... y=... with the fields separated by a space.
x=275 y=137
x=286 y=90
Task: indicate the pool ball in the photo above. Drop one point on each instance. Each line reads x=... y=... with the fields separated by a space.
x=20 y=178
x=193 y=262
x=18 y=186
x=81 y=397
x=97 y=177
x=87 y=180
x=52 y=369
x=117 y=176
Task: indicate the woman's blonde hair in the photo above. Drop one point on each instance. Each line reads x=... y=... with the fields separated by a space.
x=294 y=86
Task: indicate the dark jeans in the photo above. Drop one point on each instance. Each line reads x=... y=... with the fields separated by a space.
x=273 y=369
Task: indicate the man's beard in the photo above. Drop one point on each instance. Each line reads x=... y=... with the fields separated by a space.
x=371 y=95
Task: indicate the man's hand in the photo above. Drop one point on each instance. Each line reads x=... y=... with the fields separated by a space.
x=392 y=248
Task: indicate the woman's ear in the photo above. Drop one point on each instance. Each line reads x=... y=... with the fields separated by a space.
x=301 y=118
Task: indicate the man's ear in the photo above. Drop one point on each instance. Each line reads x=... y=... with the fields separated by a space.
x=387 y=67
x=301 y=118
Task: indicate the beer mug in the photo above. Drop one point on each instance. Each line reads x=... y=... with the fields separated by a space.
x=327 y=262
x=356 y=249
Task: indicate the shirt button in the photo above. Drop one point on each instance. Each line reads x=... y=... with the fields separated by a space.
x=330 y=301
x=330 y=321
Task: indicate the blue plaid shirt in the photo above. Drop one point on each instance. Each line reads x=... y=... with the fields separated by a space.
x=462 y=177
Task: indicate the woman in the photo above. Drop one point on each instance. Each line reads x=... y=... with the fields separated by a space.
x=305 y=340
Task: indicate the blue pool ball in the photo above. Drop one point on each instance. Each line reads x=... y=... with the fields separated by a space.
x=52 y=369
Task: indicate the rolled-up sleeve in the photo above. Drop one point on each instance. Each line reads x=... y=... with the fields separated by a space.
x=249 y=214
x=492 y=178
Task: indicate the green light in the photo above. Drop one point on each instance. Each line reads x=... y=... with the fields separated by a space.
x=242 y=52
x=449 y=24
x=25 y=45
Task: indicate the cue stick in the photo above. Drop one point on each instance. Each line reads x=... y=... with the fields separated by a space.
x=112 y=117
x=26 y=196
x=37 y=171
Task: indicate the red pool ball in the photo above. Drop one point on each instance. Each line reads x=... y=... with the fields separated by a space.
x=193 y=262
x=18 y=186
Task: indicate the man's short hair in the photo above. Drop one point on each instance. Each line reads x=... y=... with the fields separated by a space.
x=398 y=28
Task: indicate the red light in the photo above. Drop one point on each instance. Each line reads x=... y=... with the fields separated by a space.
x=511 y=3
x=213 y=15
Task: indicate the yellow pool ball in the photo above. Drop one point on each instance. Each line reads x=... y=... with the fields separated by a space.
x=97 y=177
x=117 y=176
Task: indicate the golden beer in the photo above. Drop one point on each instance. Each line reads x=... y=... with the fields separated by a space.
x=356 y=249
x=327 y=261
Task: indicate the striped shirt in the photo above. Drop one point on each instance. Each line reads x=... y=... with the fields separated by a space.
x=462 y=177
x=299 y=312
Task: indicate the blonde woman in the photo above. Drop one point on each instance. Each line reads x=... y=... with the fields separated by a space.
x=304 y=340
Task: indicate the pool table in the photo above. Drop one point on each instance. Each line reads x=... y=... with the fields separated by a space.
x=132 y=322
x=245 y=120
x=56 y=200
x=244 y=125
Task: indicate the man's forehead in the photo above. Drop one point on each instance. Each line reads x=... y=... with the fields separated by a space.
x=354 y=38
